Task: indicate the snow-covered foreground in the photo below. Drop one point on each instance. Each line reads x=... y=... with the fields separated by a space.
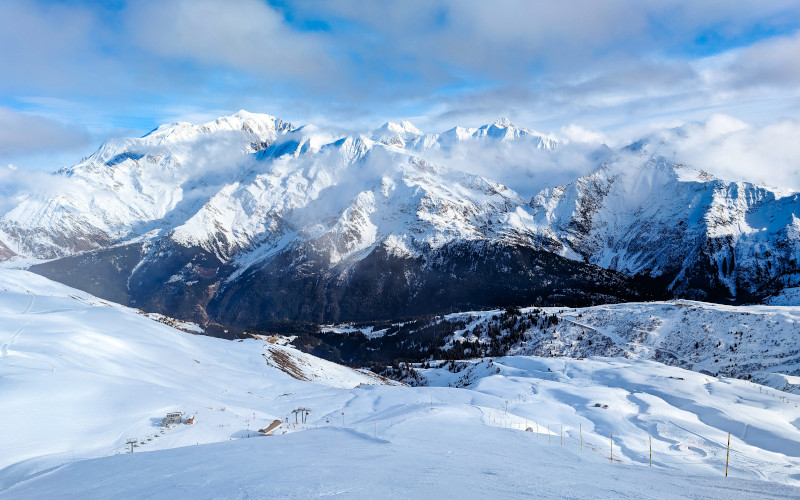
x=79 y=377
x=438 y=453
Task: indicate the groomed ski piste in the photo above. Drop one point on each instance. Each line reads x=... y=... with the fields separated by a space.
x=80 y=378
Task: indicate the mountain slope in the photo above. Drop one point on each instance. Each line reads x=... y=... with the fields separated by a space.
x=702 y=237
x=83 y=376
x=131 y=186
x=247 y=219
x=751 y=342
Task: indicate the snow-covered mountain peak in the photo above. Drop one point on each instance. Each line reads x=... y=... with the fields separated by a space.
x=505 y=131
x=258 y=125
x=248 y=187
x=503 y=122
x=303 y=140
x=648 y=213
x=396 y=134
x=174 y=144
x=404 y=127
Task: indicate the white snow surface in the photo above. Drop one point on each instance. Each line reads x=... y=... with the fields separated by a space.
x=79 y=376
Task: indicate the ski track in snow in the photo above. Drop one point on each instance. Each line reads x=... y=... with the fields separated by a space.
x=4 y=347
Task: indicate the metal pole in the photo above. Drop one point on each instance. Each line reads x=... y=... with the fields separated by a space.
x=651 y=450
x=611 y=458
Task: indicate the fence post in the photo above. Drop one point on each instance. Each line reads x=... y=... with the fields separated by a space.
x=727 y=455
x=611 y=458
x=651 y=450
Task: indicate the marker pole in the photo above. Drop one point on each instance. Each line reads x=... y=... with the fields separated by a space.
x=727 y=455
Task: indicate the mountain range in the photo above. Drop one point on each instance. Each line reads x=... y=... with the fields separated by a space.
x=248 y=220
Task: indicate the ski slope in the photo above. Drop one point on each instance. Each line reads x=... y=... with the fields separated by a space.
x=79 y=377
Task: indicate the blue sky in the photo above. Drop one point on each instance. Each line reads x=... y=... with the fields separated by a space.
x=77 y=72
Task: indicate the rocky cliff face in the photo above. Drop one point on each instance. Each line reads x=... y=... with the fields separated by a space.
x=702 y=237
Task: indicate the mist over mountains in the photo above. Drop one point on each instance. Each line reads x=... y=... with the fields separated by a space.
x=249 y=219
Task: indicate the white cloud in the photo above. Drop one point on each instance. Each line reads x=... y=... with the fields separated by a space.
x=734 y=150
x=22 y=133
x=520 y=165
x=16 y=184
x=53 y=47
x=244 y=34
x=601 y=65
x=577 y=133
x=771 y=63
x=722 y=145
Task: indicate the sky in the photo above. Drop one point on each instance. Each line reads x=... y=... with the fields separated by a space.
x=75 y=73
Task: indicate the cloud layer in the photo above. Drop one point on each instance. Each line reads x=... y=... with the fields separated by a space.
x=22 y=133
x=734 y=150
x=619 y=67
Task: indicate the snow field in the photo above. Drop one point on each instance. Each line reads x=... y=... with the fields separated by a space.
x=445 y=452
x=80 y=377
x=687 y=414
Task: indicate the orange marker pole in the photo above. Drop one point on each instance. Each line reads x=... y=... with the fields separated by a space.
x=727 y=455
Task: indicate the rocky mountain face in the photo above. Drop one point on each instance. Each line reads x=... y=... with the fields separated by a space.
x=701 y=237
x=759 y=343
x=249 y=219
